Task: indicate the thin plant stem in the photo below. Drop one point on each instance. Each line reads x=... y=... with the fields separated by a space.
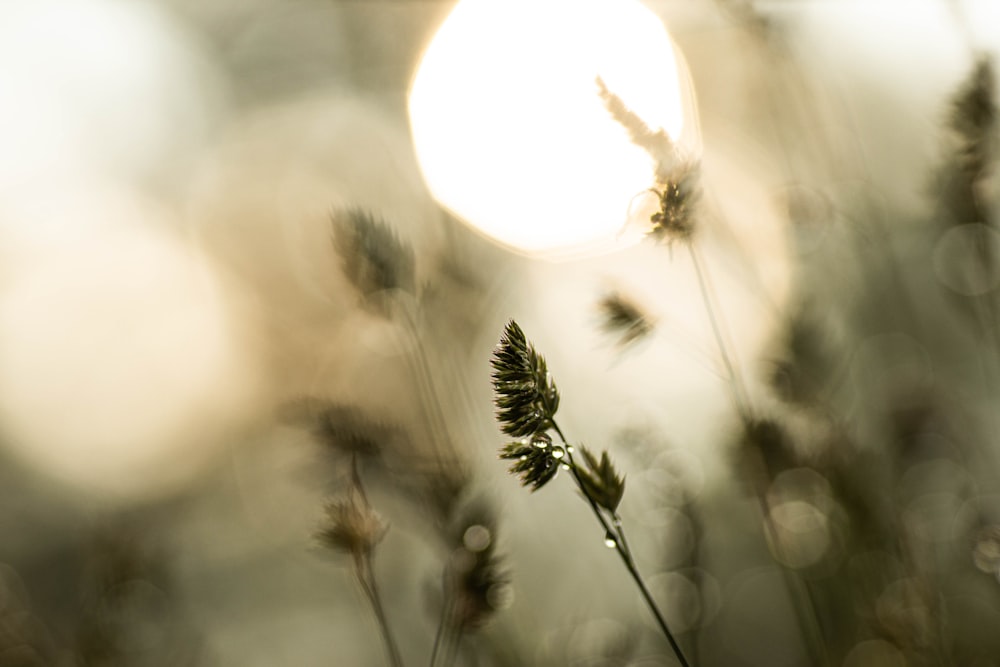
x=364 y=567
x=621 y=547
x=420 y=367
x=802 y=600
x=799 y=594
x=740 y=396
x=446 y=643
x=439 y=634
x=366 y=575
x=446 y=608
x=451 y=651
x=619 y=528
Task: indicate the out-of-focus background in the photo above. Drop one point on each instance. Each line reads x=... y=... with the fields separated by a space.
x=192 y=363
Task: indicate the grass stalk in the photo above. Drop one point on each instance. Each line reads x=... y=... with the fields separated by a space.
x=420 y=368
x=801 y=600
x=617 y=533
x=439 y=636
x=740 y=396
x=364 y=567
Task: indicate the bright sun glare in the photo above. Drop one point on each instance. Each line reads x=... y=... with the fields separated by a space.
x=509 y=129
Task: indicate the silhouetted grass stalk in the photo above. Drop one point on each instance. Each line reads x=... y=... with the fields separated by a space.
x=353 y=527
x=366 y=577
x=616 y=532
x=420 y=368
x=800 y=597
x=451 y=649
x=740 y=396
x=446 y=637
x=447 y=604
x=382 y=268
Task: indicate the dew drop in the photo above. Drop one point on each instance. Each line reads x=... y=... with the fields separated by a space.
x=558 y=453
x=570 y=449
x=610 y=541
x=565 y=466
x=476 y=538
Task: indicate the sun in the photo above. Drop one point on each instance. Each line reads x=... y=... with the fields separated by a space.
x=511 y=134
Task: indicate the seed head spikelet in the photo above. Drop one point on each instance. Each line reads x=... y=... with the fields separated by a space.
x=678 y=195
x=600 y=480
x=525 y=396
x=624 y=318
x=536 y=462
x=372 y=256
x=352 y=526
x=526 y=400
